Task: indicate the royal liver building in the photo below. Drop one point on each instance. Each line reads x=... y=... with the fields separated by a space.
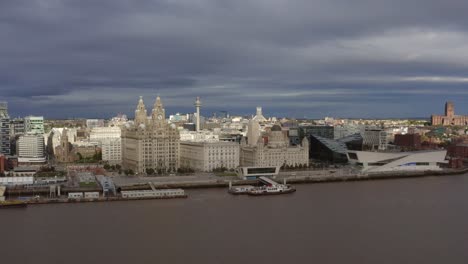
x=151 y=142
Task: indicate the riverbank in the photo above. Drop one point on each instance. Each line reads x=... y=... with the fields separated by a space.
x=301 y=179
x=223 y=183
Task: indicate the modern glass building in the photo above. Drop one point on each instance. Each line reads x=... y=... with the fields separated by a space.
x=4 y=129
x=34 y=124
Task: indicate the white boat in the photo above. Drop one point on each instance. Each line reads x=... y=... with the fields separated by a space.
x=243 y=189
x=271 y=189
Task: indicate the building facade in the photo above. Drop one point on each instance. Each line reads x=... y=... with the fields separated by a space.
x=16 y=127
x=150 y=142
x=65 y=151
x=31 y=149
x=273 y=149
x=92 y=123
x=321 y=131
x=378 y=162
x=207 y=156
x=4 y=129
x=449 y=119
x=34 y=124
x=110 y=143
x=375 y=139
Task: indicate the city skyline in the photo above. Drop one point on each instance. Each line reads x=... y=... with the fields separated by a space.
x=300 y=59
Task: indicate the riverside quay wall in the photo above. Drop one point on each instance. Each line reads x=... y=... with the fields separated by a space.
x=221 y=183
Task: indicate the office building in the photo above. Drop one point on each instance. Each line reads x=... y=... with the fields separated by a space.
x=150 y=142
x=17 y=127
x=31 y=149
x=4 y=129
x=326 y=149
x=34 y=124
x=110 y=143
x=375 y=139
x=207 y=156
x=321 y=131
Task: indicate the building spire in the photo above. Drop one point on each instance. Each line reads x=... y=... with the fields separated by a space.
x=140 y=112
x=158 y=114
x=158 y=103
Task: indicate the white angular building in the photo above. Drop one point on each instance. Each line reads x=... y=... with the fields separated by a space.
x=150 y=142
x=399 y=161
x=209 y=155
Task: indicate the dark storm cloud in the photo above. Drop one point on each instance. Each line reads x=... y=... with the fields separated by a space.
x=300 y=58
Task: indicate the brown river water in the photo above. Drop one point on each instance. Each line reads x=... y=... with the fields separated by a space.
x=419 y=220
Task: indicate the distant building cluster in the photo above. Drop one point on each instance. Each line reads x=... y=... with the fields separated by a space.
x=153 y=143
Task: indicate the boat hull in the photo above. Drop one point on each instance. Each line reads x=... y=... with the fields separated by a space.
x=271 y=193
x=5 y=205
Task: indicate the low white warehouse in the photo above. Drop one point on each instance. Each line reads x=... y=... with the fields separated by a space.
x=153 y=193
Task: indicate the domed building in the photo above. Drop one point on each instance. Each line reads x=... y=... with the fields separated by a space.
x=272 y=148
x=150 y=142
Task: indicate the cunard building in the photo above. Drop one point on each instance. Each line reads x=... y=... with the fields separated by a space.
x=150 y=142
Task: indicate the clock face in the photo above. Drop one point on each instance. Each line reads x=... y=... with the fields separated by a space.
x=159 y=117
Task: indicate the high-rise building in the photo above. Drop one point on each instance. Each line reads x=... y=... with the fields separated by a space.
x=30 y=149
x=16 y=127
x=34 y=124
x=150 y=142
x=449 y=119
x=4 y=129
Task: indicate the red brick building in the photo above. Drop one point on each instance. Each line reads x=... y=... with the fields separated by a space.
x=458 y=151
x=408 y=141
x=449 y=119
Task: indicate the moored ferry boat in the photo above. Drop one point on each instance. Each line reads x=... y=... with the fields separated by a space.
x=271 y=190
x=243 y=189
x=13 y=204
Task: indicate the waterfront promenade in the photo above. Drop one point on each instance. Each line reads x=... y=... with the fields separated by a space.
x=207 y=180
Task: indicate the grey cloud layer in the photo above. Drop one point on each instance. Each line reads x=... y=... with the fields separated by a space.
x=301 y=58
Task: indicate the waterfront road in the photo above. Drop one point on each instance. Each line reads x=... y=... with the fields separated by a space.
x=121 y=180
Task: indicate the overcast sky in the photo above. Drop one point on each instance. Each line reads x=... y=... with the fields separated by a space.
x=311 y=58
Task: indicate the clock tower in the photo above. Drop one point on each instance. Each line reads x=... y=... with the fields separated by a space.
x=158 y=115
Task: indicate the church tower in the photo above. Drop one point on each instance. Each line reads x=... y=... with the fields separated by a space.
x=158 y=114
x=449 y=109
x=64 y=143
x=140 y=113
